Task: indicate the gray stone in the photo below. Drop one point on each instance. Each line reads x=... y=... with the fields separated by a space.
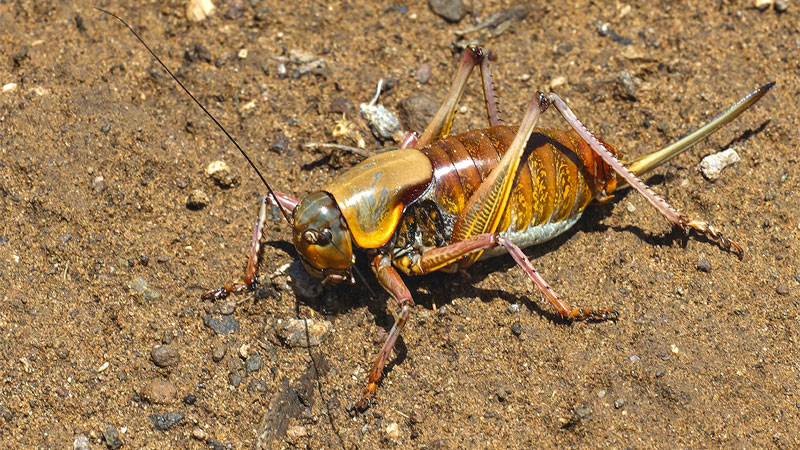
x=253 y=364
x=222 y=325
x=165 y=421
x=165 y=355
x=140 y=286
x=292 y=332
x=417 y=111
x=112 y=438
x=449 y=10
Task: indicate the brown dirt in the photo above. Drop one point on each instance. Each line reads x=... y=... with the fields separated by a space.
x=697 y=359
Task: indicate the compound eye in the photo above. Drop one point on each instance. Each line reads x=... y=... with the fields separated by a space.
x=325 y=237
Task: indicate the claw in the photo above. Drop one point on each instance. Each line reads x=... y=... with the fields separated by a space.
x=368 y=398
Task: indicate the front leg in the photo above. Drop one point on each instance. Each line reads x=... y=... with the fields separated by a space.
x=391 y=281
x=283 y=201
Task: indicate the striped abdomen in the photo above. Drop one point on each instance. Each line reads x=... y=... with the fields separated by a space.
x=561 y=177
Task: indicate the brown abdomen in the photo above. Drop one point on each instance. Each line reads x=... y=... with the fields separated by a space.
x=561 y=177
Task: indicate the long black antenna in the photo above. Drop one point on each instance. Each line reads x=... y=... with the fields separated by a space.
x=236 y=144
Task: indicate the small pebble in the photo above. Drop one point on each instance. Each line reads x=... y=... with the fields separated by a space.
x=253 y=363
x=762 y=5
x=393 y=431
x=628 y=86
x=417 y=416
x=140 y=285
x=583 y=412
x=417 y=111
x=164 y=355
x=601 y=393
x=112 y=438
x=244 y=351
x=280 y=144
x=221 y=174
x=222 y=325
x=502 y=394
x=516 y=329
x=704 y=265
x=255 y=385
x=199 y=434
x=449 y=10
x=262 y=14
x=196 y=200
x=712 y=165
x=634 y=358
x=557 y=82
x=629 y=206
x=296 y=432
x=781 y=5
x=242 y=53
x=9 y=87
x=423 y=73
x=340 y=105
x=81 y=442
x=189 y=399
x=198 y=10
x=159 y=392
x=163 y=422
x=292 y=332
x=782 y=289
x=618 y=403
x=383 y=123
x=235 y=379
x=218 y=352
x=214 y=444
x=281 y=71
x=513 y=308
x=227 y=308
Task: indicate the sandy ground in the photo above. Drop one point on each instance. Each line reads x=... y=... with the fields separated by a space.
x=105 y=340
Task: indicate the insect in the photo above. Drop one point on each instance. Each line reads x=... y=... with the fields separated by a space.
x=442 y=202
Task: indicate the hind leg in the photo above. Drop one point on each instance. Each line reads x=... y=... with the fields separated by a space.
x=675 y=217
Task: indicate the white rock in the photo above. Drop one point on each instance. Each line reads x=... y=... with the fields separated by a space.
x=712 y=165
x=393 y=431
x=9 y=87
x=304 y=332
x=762 y=4
x=198 y=10
x=383 y=123
x=216 y=166
x=557 y=82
